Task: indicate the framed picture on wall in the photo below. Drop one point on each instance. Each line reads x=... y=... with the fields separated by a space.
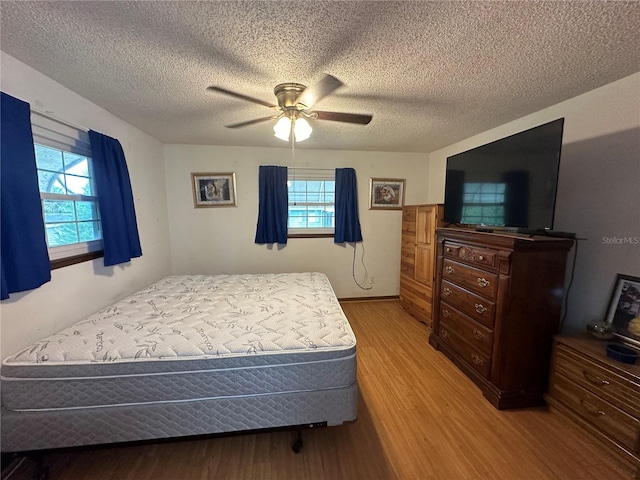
x=624 y=308
x=386 y=194
x=214 y=189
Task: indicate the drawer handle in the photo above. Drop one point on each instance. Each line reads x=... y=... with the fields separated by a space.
x=446 y=291
x=475 y=358
x=594 y=378
x=446 y=313
x=448 y=250
x=478 y=334
x=480 y=308
x=483 y=282
x=591 y=408
x=481 y=258
x=444 y=334
x=449 y=269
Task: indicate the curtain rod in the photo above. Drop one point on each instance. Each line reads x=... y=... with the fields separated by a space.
x=59 y=120
x=319 y=169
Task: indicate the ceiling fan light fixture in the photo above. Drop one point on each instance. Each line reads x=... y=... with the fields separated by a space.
x=282 y=129
x=302 y=129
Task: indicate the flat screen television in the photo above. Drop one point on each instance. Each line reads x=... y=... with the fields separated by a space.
x=509 y=183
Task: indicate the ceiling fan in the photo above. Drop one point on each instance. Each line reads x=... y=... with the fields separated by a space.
x=295 y=103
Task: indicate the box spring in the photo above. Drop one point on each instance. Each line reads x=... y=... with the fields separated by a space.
x=188 y=355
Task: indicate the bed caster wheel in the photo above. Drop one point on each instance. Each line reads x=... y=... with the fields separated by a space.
x=40 y=470
x=41 y=473
x=297 y=445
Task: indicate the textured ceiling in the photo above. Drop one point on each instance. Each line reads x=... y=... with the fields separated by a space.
x=430 y=73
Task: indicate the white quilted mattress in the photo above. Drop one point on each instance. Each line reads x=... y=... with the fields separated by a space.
x=195 y=337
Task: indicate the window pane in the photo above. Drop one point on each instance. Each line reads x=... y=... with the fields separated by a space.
x=67 y=220
x=76 y=164
x=315 y=222
x=89 y=231
x=78 y=185
x=48 y=158
x=297 y=198
x=58 y=211
x=310 y=206
x=314 y=186
x=87 y=210
x=61 y=234
x=313 y=197
x=297 y=212
x=297 y=222
x=51 y=182
x=298 y=186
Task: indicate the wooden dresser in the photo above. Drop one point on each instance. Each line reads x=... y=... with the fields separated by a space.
x=417 y=259
x=497 y=305
x=598 y=393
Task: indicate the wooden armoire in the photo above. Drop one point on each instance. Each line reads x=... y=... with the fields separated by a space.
x=417 y=260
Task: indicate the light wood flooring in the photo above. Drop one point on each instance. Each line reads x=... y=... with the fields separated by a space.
x=419 y=418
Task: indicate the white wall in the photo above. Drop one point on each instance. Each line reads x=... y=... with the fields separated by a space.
x=598 y=190
x=79 y=290
x=221 y=240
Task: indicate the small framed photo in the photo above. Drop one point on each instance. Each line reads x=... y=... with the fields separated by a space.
x=386 y=194
x=624 y=308
x=214 y=189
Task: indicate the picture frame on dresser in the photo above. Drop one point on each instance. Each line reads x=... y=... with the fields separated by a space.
x=624 y=309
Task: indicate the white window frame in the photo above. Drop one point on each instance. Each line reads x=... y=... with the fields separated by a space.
x=310 y=175
x=53 y=133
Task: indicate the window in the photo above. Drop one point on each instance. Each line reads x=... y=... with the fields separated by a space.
x=311 y=203
x=483 y=203
x=67 y=188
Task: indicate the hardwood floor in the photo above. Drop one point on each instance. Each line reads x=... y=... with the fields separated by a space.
x=419 y=418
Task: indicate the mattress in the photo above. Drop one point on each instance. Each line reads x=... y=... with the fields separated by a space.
x=197 y=345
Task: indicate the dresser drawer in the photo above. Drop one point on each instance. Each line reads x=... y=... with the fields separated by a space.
x=478 y=308
x=471 y=355
x=598 y=380
x=482 y=257
x=469 y=330
x=610 y=420
x=479 y=281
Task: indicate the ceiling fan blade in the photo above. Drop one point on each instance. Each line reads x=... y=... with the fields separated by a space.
x=250 y=122
x=313 y=94
x=213 y=88
x=344 y=117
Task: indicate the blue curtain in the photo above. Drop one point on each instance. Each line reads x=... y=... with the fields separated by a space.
x=347 y=220
x=24 y=260
x=120 y=238
x=273 y=209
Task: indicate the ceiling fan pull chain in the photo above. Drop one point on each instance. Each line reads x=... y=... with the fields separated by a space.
x=293 y=161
